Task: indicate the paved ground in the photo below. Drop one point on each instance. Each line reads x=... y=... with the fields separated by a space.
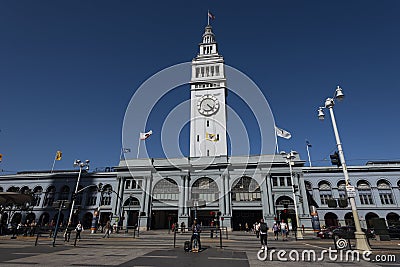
x=155 y=248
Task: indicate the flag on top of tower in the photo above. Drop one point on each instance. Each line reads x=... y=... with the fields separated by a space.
x=282 y=133
x=58 y=155
x=210 y=15
x=308 y=144
x=144 y=136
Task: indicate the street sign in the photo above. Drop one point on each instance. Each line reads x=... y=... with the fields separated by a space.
x=351 y=191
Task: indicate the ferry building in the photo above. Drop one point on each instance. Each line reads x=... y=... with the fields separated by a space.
x=209 y=184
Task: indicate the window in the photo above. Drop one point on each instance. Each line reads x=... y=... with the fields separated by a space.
x=205 y=189
x=198 y=138
x=64 y=194
x=208 y=123
x=166 y=189
x=197 y=73
x=325 y=192
x=274 y=181
x=281 y=181
x=217 y=70
x=341 y=185
x=91 y=197
x=49 y=198
x=208 y=153
x=127 y=184
x=37 y=194
x=246 y=189
x=288 y=181
x=364 y=192
x=385 y=192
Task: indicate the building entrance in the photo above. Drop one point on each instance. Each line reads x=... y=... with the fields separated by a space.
x=241 y=217
x=163 y=219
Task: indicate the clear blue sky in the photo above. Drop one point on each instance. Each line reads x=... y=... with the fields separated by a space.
x=69 y=68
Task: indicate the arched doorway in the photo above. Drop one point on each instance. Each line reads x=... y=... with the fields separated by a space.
x=206 y=189
x=245 y=190
x=284 y=206
x=44 y=219
x=392 y=219
x=368 y=217
x=61 y=221
x=30 y=217
x=132 y=208
x=331 y=219
x=87 y=220
x=349 y=219
x=165 y=204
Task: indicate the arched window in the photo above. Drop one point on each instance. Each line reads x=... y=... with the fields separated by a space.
x=13 y=189
x=91 y=197
x=49 y=197
x=25 y=190
x=364 y=192
x=166 y=189
x=205 y=189
x=325 y=192
x=79 y=196
x=246 y=189
x=107 y=195
x=341 y=185
x=385 y=192
x=131 y=202
x=37 y=194
x=1 y=189
x=64 y=193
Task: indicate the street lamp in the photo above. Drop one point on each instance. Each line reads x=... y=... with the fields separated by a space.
x=81 y=165
x=289 y=160
x=361 y=240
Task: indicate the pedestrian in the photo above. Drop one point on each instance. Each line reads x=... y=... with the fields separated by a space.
x=68 y=231
x=78 y=229
x=107 y=229
x=302 y=229
x=263 y=234
x=246 y=226
x=284 y=230
x=183 y=227
x=196 y=230
x=257 y=229
x=275 y=228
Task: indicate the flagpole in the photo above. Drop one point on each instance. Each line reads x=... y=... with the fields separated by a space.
x=138 y=147
x=308 y=153
x=208 y=17
x=277 y=146
x=122 y=151
x=54 y=162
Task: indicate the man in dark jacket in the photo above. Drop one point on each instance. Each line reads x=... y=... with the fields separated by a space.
x=263 y=234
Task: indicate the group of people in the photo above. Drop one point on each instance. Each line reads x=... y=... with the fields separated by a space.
x=261 y=230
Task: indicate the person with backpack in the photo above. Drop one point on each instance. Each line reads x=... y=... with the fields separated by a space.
x=263 y=234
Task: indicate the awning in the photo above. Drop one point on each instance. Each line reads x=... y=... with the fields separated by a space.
x=7 y=198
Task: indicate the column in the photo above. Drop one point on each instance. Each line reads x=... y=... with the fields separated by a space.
x=228 y=196
x=267 y=187
x=144 y=186
x=182 y=197
x=223 y=199
x=120 y=196
x=303 y=194
x=300 y=207
x=187 y=197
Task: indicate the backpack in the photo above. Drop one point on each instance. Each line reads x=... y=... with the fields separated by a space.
x=263 y=227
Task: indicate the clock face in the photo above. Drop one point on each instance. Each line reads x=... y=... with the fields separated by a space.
x=208 y=105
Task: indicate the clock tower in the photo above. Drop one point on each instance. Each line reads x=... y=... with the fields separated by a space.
x=208 y=95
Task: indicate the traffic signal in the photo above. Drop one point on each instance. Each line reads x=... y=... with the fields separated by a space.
x=73 y=196
x=295 y=188
x=335 y=159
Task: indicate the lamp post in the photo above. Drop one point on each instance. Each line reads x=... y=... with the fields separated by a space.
x=81 y=165
x=289 y=160
x=361 y=239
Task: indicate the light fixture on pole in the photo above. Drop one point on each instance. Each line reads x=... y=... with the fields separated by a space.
x=289 y=160
x=81 y=165
x=361 y=239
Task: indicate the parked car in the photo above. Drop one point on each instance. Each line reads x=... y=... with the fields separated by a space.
x=347 y=232
x=327 y=232
x=394 y=231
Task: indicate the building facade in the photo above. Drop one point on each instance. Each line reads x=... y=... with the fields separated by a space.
x=210 y=185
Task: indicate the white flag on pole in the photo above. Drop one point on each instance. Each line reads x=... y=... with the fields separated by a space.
x=282 y=133
x=144 y=136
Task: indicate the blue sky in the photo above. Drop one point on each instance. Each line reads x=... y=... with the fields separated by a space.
x=68 y=70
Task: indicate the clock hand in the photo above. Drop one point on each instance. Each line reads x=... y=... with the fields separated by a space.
x=211 y=107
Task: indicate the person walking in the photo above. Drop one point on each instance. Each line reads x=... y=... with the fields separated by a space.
x=183 y=227
x=257 y=229
x=78 y=229
x=284 y=230
x=263 y=234
x=275 y=228
x=107 y=229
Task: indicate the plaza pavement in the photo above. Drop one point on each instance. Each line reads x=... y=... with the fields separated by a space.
x=155 y=248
